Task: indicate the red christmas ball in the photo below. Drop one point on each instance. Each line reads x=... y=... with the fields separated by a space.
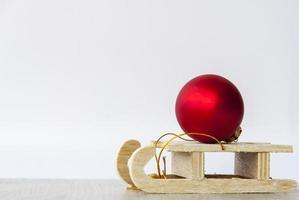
x=209 y=104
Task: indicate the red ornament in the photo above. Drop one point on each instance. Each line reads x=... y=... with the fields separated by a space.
x=209 y=104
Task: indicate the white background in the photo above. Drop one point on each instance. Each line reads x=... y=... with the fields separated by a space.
x=77 y=78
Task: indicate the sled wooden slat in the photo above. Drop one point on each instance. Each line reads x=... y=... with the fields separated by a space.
x=252 y=165
x=187 y=146
x=191 y=164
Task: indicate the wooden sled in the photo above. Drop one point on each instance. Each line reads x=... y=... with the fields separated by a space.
x=187 y=168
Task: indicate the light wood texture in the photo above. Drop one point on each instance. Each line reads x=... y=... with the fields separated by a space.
x=253 y=165
x=246 y=164
x=187 y=146
x=207 y=185
x=188 y=164
x=22 y=189
x=123 y=156
x=263 y=165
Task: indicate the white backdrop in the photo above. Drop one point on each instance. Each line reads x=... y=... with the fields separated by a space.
x=77 y=78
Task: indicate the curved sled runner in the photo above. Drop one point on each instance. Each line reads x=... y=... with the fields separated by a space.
x=251 y=168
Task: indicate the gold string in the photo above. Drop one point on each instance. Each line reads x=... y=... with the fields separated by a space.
x=133 y=188
x=157 y=141
x=175 y=136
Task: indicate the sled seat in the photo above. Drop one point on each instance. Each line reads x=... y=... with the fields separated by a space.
x=252 y=160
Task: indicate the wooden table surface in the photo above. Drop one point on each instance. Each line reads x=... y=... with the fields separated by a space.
x=15 y=189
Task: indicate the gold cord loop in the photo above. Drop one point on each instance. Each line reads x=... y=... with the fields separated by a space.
x=165 y=144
